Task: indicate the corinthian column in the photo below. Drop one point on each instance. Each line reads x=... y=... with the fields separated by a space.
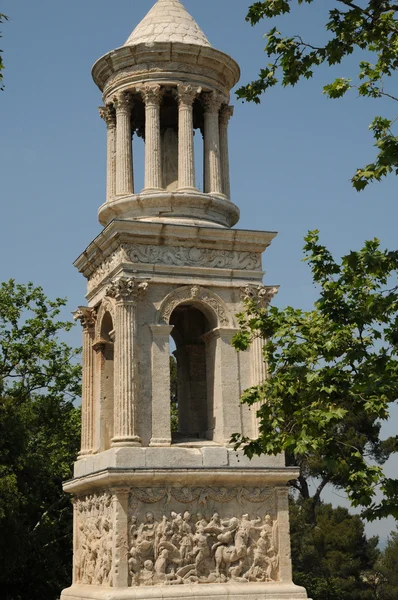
x=186 y=158
x=213 y=181
x=225 y=114
x=87 y=317
x=124 y=145
x=126 y=291
x=153 y=160
x=108 y=114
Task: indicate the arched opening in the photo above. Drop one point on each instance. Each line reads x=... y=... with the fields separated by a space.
x=105 y=349
x=194 y=417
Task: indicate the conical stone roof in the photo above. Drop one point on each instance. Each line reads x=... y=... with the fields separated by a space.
x=168 y=21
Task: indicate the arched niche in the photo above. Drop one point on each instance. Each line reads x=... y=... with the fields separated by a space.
x=104 y=377
x=194 y=317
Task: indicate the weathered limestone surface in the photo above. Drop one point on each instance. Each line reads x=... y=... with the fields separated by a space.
x=161 y=514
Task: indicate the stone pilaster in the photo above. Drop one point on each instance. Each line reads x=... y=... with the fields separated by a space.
x=109 y=115
x=124 y=145
x=126 y=292
x=120 y=539
x=259 y=373
x=153 y=161
x=87 y=317
x=225 y=114
x=186 y=158
x=212 y=159
x=285 y=562
x=161 y=421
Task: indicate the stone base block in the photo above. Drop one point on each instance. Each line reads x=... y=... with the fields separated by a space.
x=233 y=591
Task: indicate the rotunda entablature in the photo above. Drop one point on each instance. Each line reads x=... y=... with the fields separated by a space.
x=165 y=61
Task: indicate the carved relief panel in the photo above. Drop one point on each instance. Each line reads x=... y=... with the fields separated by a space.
x=94 y=539
x=182 y=536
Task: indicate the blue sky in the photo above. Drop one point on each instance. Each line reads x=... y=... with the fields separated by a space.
x=292 y=157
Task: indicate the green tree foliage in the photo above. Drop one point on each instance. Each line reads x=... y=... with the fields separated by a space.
x=2 y=19
x=331 y=555
x=386 y=578
x=39 y=437
x=370 y=27
x=333 y=375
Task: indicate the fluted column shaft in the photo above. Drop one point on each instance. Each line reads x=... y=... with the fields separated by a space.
x=126 y=292
x=225 y=114
x=124 y=145
x=108 y=114
x=87 y=318
x=153 y=160
x=213 y=179
x=186 y=154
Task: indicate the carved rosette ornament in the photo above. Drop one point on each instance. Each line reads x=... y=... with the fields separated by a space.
x=87 y=316
x=127 y=289
x=261 y=294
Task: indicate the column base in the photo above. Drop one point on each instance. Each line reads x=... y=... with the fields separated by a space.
x=126 y=442
x=160 y=442
x=84 y=454
x=188 y=190
x=219 y=591
x=153 y=190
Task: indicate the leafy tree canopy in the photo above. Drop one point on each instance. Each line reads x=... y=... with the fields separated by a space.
x=369 y=26
x=39 y=437
x=385 y=580
x=331 y=554
x=333 y=375
x=2 y=19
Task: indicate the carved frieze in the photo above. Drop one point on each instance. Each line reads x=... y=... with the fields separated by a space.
x=202 y=535
x=93 y=553
x=194 y=257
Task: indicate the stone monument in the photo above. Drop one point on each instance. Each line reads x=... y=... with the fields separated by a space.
x=162 y=515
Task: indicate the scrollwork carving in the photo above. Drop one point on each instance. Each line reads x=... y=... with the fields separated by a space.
x=226 y=113
x=212 y=102
x=187 y=94
x=194 y=257
x=152 y=94
x=108 y=114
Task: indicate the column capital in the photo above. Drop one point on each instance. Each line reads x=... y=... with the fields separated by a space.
x=226 y=113
x=186 y=94
x=152 y=94
x=261 y=294
x=123 y=102
x=212 y=102
x=108 y=114
x=87 y=316
x=127 y=289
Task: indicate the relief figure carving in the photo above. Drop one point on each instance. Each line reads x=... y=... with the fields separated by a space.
x=176 y=548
